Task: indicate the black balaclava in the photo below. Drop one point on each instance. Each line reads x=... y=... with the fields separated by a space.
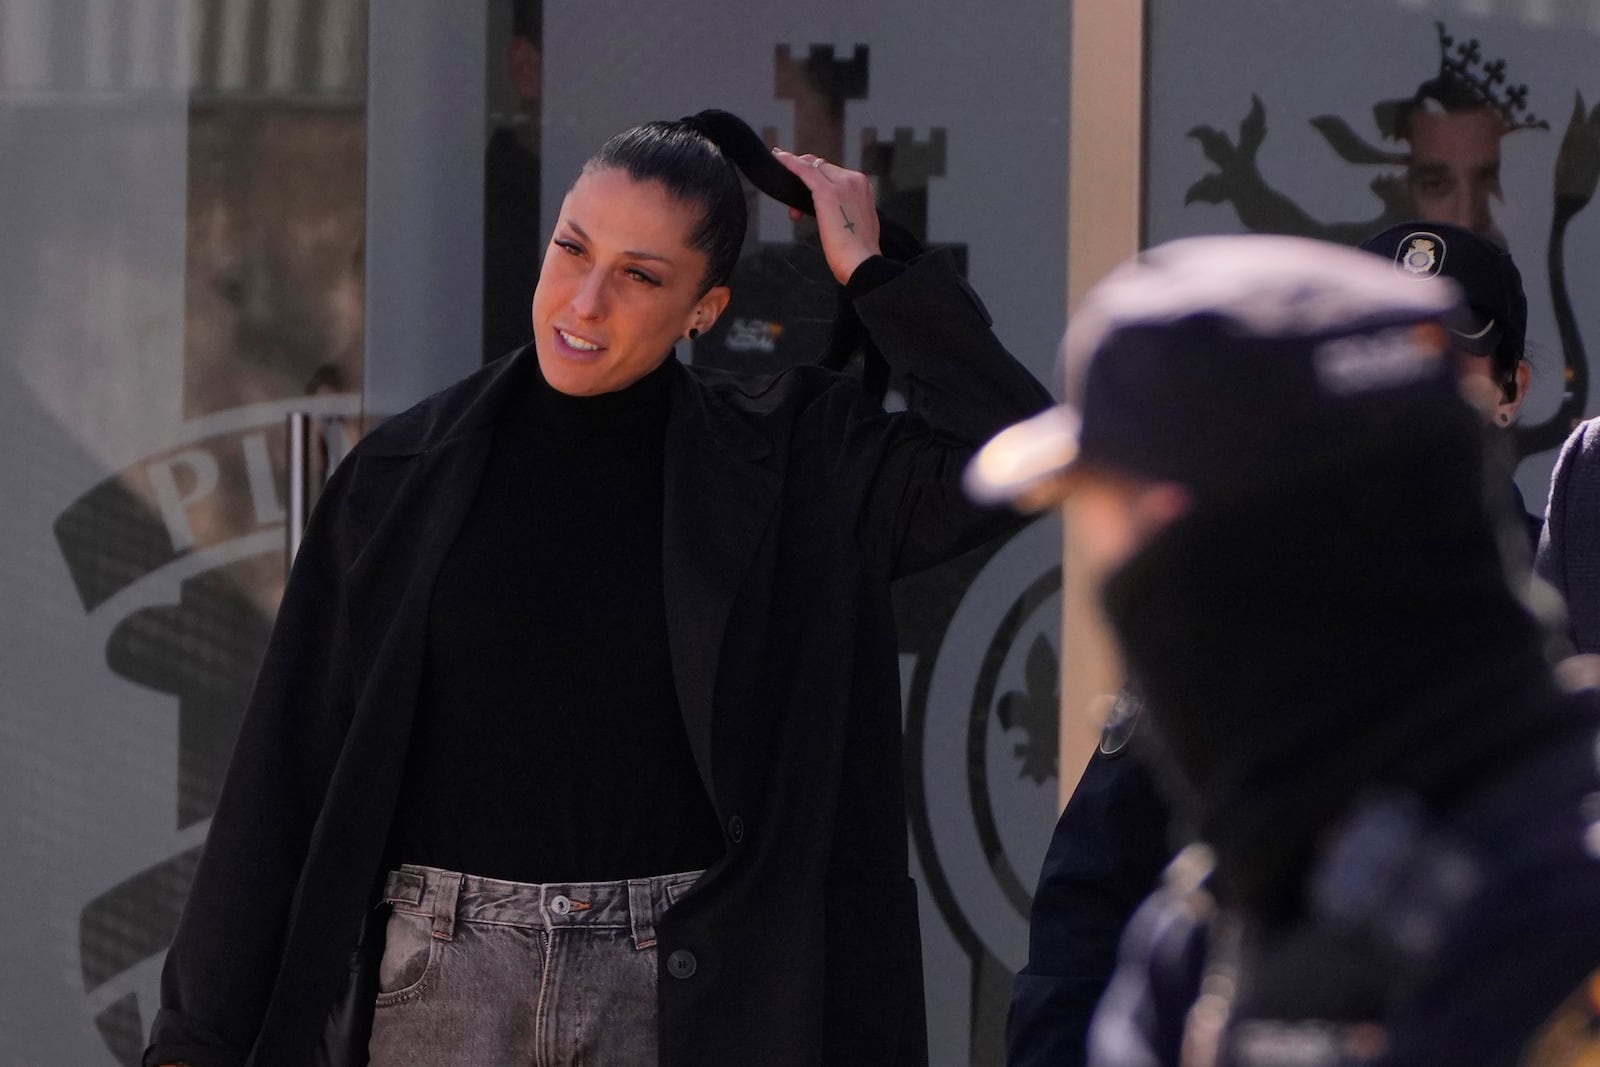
x=1341 y=622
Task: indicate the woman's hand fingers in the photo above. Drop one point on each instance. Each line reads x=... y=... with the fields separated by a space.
x=847 y=215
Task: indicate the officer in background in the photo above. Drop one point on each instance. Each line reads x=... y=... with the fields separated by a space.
x=1488 y=333
x=1265 y=456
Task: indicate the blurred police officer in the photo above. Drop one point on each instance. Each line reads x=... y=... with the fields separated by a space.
x=1266 y=458
x=1114 y=837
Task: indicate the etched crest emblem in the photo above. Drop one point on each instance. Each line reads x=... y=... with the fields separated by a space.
x=983 y=719
x=1421 y=255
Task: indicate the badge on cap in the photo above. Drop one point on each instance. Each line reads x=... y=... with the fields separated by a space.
x=1421 y=254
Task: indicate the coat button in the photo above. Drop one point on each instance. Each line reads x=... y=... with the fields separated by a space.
x=681 y=964
x=736 y=829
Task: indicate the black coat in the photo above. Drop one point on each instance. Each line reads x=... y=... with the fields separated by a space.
x=791 y=504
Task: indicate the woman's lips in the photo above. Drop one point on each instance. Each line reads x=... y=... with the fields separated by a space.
x=576 y=347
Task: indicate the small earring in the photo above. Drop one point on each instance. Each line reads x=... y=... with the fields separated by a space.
x=1505 y=420
x=693 y=333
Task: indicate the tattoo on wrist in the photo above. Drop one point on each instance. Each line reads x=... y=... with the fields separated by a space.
x=847 y=223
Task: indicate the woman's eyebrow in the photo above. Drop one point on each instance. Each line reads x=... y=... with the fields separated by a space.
x=656 y=256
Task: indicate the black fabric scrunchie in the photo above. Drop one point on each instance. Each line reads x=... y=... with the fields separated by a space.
x=745 y=149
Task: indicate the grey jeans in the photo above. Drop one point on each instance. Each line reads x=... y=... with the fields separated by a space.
x=478 y=972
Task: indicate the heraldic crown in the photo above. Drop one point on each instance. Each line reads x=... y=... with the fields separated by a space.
x=1461 y=67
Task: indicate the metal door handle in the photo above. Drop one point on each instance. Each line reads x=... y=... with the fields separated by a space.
x=299 y=484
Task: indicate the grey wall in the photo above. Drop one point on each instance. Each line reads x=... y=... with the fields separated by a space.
x=425 y=121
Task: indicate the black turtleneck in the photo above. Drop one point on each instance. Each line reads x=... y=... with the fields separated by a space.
x=549 y=745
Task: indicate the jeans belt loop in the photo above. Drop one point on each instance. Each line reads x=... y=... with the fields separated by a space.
x=446 y=891
x=642 y=913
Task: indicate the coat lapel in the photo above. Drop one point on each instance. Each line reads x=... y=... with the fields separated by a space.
x=407 y=515
x=719 y=502
x=393 y=579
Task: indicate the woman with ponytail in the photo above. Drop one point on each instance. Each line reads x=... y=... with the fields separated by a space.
x=578 y=736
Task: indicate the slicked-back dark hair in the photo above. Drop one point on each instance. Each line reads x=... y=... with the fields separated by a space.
x=699 y=159
x=696 y=173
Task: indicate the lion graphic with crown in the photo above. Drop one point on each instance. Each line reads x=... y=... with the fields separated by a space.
x=1444 y=167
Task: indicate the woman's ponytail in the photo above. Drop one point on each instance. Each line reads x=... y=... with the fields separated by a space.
x=745 y=149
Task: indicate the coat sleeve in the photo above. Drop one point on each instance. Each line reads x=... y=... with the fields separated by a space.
x=224 y=959
x=964 y=387
x=1569 y=548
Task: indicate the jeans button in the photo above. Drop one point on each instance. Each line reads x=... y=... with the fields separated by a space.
x=682 y=964
x=560 y=905
x=736 y=829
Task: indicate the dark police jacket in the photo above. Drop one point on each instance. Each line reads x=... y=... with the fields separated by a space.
x=790 y=503
x=1461 y=928
x=1105 y=858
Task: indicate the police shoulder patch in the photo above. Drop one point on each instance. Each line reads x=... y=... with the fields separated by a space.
x=1121 y=720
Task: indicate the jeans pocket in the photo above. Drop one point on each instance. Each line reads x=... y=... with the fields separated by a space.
x=410 y=952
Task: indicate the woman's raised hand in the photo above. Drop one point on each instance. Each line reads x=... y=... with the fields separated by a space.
x=847 y=215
